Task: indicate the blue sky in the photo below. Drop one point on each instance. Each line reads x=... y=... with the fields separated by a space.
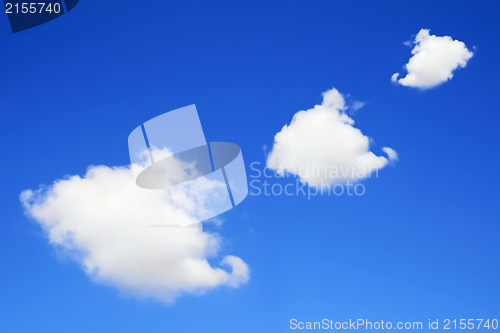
x=423 y=242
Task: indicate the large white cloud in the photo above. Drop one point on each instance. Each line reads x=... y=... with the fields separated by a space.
x=103 y=220
x=434 y=60
x=322 y=146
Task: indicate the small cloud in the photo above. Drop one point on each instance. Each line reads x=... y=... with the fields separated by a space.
x=434 y=60
x=356 y=105
x=322 y=146
x=391 y=153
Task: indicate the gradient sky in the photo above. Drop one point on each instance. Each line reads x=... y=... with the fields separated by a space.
x=422 y=243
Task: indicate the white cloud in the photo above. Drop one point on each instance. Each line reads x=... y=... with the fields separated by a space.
x=391 y=153
x=322 y=146
x=356 y=105
x=434 y=60
x=103 y=220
